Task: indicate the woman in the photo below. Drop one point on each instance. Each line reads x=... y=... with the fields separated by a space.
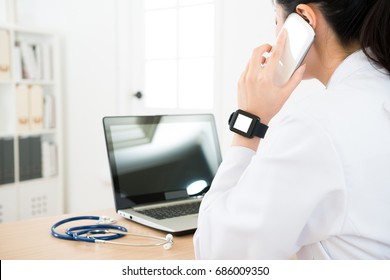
x=318 y=185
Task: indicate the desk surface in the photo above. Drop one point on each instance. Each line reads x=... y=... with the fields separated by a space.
x=31 y=239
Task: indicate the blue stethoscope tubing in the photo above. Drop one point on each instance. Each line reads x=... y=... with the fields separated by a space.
x=104 y=232
x=75 y=233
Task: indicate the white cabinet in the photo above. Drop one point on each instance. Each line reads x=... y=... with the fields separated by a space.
x=8 y=204
x=31 y=149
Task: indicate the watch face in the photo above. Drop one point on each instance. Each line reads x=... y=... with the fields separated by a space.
x=243 y=123
x=247 y=124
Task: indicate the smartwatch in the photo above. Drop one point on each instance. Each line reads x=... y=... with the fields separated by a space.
x=246 y=124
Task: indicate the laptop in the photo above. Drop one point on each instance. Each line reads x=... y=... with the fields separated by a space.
x=161 y=167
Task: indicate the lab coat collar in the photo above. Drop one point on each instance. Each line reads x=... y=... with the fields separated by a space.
x=353 y=63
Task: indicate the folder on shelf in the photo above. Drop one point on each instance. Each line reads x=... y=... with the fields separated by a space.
x=24 y=159
x=7 y=168
x=22 y=108
x=39 y=61
x=36 y=107
x=35 y=157
x=47 y=71
x=30 y=108
x=49 y=159
x=53 y=160
x=49 y=111
x=5 y=56
x=45 y=159
x=29 y=61
x=35 y=60
x=17 y=63
x=30 y=158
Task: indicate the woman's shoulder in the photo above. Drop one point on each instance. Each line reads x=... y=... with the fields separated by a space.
x=363 y=93
x=342 y=113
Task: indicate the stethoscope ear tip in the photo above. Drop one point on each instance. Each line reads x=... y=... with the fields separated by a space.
x=169 y=242
x=167 y=246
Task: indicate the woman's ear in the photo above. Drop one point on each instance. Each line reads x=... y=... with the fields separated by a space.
x=307 y=13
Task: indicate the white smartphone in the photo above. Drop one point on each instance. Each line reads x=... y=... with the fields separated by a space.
x=300 y=37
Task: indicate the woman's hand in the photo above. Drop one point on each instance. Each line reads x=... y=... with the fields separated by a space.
x=257 y=92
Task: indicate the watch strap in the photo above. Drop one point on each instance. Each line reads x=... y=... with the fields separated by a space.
x=260 y=129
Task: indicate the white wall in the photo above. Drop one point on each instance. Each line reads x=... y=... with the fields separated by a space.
x=245 y=25
x=91 y=77
x=88 y=29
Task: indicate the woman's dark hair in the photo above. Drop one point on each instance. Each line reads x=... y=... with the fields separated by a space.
x=363 y=21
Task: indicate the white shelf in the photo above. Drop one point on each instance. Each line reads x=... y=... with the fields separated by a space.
x=35 y=82
x=48 y=187
x=37 y=132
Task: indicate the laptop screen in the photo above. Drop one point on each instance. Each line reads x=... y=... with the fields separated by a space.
x=159 y=158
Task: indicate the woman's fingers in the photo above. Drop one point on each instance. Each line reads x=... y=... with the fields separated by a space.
x=257 y=63
x=243 y=75
x=257 y=59
x=277 y=52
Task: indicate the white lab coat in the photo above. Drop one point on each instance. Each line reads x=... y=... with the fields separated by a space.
x=318 y=186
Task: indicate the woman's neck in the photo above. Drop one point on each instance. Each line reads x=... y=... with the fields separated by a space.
x=331 y=58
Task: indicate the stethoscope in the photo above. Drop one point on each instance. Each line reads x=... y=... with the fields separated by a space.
x=103 y=232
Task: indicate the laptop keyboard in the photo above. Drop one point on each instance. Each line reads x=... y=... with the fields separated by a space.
x=172 y=211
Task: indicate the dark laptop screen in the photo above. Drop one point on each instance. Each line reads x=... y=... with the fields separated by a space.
x=155 y=158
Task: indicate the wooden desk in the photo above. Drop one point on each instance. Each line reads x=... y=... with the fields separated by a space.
x=31 y=239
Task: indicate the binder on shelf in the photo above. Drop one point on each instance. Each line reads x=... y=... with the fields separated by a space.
x=35 y=61
x=36 y=157
x=29 y=63
x=47 y=71
x=36 y=107
x=49 y=159
x=7 y=162
x=17 y=63
x=5 y=56
x=39 y=61
x=30 y=158
x=49 y=111
x=22 y=108
x=46 y=159
x=24 y=159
